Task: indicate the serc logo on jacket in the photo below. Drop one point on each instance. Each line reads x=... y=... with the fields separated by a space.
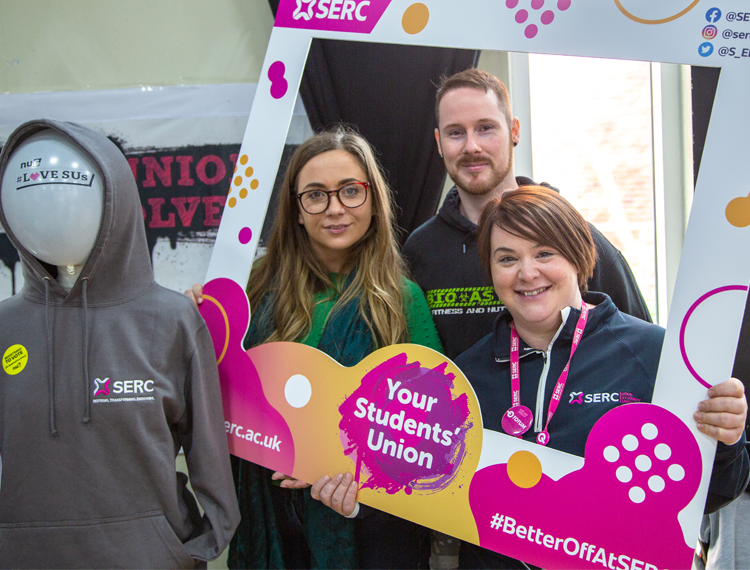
x=602 y=397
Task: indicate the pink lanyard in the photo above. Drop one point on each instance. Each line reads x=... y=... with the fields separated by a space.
x=515 y=372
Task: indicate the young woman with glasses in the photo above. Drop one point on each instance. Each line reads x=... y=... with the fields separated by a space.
x=332 y=278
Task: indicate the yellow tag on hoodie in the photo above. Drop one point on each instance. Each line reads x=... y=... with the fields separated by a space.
x=15 y=359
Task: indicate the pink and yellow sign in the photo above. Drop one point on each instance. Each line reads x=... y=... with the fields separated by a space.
x=404 y=420
x=406 y=423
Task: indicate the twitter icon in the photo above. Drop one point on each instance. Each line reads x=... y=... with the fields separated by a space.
x=705 y=49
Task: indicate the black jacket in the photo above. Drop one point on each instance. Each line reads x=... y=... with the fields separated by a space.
x=442 y=255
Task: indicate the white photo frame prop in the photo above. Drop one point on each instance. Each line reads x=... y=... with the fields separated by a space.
x=709 y=296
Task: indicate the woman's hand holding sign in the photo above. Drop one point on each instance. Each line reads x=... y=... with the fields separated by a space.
x=339 y=493
x=195 y=294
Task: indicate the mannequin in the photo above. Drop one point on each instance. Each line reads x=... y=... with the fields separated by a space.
x=53 y=199
x=104 y=374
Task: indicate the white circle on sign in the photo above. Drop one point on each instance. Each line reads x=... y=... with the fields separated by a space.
x=637 y=495
x=297 y=391
x=611 y=453
x=656 y=484
x=630 y=442
x=676 y=472
x=663 y=451
x=643 y=463
x=624 y=474
x=649 y=431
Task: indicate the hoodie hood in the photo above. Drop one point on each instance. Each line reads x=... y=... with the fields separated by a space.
x=449 y=212
x=119 y=267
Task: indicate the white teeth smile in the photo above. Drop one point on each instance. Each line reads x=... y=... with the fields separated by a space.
x=532 y=293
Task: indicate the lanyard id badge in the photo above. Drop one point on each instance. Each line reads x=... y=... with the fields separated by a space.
x=518 y=419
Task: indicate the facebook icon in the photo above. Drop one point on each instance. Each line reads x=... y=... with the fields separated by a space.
x=713 y=15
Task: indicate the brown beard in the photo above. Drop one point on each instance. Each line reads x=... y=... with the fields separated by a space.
x=497 y=177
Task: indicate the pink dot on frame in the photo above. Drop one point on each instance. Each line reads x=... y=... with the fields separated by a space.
x=536 y=4
x=246 y=234
x=563 y=5
x=279 y=85
x=511 y=3
x=547 y=17
x=530 y=31
x=521 y=16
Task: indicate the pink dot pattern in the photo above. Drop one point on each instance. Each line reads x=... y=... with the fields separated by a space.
x=245 y=235
x=642 y=463
x=642 y=466
x=523 y=16
x=279 y=85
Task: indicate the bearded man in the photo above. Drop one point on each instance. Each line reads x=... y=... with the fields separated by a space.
x=476 y=135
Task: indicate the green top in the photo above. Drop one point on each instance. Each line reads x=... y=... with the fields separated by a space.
x=419 y=322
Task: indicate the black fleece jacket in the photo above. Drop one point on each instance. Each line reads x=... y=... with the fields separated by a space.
x=442 y=254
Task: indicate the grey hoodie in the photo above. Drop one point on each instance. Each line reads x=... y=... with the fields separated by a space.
x=120 y=374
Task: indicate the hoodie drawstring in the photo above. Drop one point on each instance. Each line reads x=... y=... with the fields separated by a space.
x=87 y=380
x=50 y=371
x=50 y=357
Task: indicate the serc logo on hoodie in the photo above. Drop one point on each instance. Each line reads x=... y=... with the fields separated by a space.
x=123 y=390
x=358 y=16
x=602 y=397
x=102 y=387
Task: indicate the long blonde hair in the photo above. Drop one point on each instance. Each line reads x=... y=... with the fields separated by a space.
x=292 y=272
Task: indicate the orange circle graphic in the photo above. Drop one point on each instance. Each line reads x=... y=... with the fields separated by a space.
x=524 y=469
x=659 y=21
x=738 y=212
x=415 y=18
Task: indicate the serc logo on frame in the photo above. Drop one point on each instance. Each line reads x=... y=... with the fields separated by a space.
x=330 y=9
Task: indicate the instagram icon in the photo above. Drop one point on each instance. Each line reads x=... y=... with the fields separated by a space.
x=709 y=32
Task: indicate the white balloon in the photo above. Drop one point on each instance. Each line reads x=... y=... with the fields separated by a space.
x=52 y=195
